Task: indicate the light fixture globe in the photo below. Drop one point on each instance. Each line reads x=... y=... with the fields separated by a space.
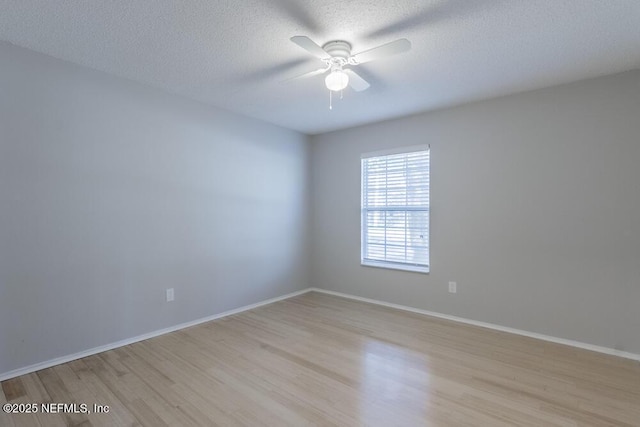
x=336 y=80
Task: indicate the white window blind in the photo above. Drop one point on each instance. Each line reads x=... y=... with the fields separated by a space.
x=395 y=210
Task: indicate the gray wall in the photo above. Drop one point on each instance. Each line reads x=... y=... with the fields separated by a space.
x=535 y=211
x=111 y=192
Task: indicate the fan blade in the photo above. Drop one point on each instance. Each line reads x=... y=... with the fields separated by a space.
x=299 y=13
x=309 y=74
x=433 y=15
x=398 y=46
x=275 y=72
x=356 y=82
x=310 y=46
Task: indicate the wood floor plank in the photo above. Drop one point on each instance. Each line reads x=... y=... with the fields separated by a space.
x=95 y=391
x=13 y=389
x=36 y=392
x=60 y=394
x=318 y=359
x=5 y=418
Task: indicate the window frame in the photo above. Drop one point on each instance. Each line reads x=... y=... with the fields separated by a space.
x=394 y=265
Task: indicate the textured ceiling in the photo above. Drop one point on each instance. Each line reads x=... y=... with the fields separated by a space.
x=235 y=55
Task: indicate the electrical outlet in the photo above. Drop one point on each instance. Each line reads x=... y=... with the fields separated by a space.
x=170 y=295
x=453 y=287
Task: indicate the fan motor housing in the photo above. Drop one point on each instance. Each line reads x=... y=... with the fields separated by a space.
x=338 y=49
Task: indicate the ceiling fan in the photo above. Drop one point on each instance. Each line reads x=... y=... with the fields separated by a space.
x=337 y=58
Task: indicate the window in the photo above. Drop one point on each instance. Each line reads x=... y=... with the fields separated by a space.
x=395 y=209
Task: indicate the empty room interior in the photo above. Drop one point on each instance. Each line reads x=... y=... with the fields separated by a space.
x=340 y=213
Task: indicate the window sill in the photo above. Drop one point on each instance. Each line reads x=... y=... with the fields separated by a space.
x=391 y=266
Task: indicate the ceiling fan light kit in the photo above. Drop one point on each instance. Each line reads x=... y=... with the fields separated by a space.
x=336 y=56
x=336 y=80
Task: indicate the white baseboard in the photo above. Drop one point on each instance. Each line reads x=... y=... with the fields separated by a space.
x=578 y=344
x=64 y=359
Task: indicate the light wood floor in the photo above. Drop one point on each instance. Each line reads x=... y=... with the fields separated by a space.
x=322 y=360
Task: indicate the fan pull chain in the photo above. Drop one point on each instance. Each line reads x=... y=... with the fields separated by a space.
x=331 y=98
